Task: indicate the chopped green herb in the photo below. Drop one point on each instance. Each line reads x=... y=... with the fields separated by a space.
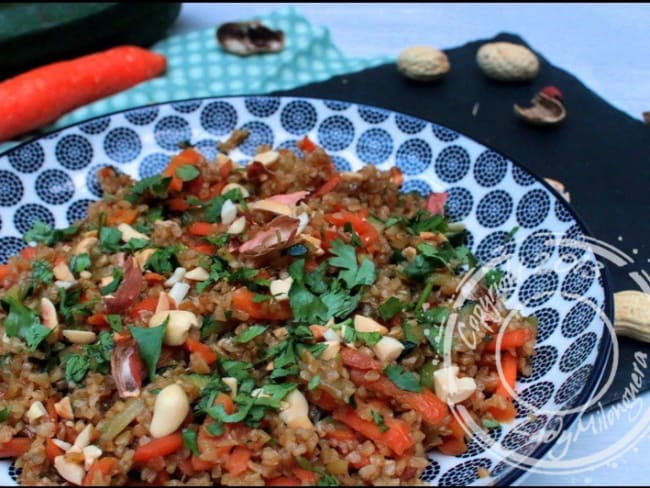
x=109 y=239
x=187 y=172
x=370 y=338
x=493 y=277
x=135 y=244
x=24 y=323
x=70 y=306
x=4 y=413
x=236 y=369
x=76 y=368
x=42 y=272
x=490 y=424
x=390 y=308
x=220 y=241
x=251 y=333
x=313 y=382
x=189 y=441
x=511 y=233
x=118 y=274
x=164 y=260
x=155 y=185
x=150 y=341
x=80 y=262
x=48 y=235
x=324 y=479
x=115 y=322
x=259 y=298
x=215 y=428
x=402 y=378
x=378 y=419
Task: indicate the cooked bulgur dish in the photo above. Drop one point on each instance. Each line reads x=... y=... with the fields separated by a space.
x=274 y=323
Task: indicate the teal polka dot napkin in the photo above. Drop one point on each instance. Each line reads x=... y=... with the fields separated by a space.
x=198 y=67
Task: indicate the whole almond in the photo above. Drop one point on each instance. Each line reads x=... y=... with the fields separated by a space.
x=422 y=63
x=505 y=61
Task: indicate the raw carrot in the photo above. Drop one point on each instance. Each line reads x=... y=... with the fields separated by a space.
x=97 y=320
x=226 y=401
x=153 y=278
x=52 y=450
x=205 y=248
x=178 y=204
x=28 y=253
x=317 y=331
x=426 y=403
x=367 y=232
x=5 y=270
x=203 y=350
x=283 y=481
x=122 y=216
x=201 y=228
x=510 y=339
x=40 y=96
x=359 y=360
x=243 y=300
x=328 y=186
x=158 y=447
x=185 y=157
x=199 y=464
x=307 y=477
x=505 y=414
x=452 y=446
x=306 y=145
x=237 y=463
x=100 y=472
x=146 y=305
x=509 y=378
x=341 y=434
x=324 y=400
x=15 y=447
x=397 y=437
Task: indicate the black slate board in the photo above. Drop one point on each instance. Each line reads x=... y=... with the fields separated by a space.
x=601 y=154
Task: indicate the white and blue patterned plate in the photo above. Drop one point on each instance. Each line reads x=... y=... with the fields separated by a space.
x=53 y=179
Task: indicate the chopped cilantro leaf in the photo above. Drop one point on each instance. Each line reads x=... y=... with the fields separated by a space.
x=149 y=341
x=390 y=308
x=118 y=274
x=42 y=272
x=156 y=186
x=493 y=277
x=313 y=382
x=511 y=233
x=251 y=333
x=48 y=235
x=164 y=260
x=402 y=378
x=190 y=441
x=490 y=424
x=187 y=172
x=109 y=239
x=4 y=413
x=378 y=419
x=115 y=322
x=23 y=322
x=80 y=262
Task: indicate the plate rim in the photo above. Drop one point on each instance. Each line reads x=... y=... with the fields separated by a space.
x=606 y=347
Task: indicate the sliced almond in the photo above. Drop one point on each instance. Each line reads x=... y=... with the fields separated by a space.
x=129 y=233
x=65 y=446
x=333 y=348
x=35 y=412
x=178 y=325
x=272 y=207
x=69 y=471
x=197 y=274
x=232 y=384
x=312 y=243
x=164 y=303
x=85 y=245
x=48 y=314
x=388 y=349
x=238 y=226
x=280 y=288
x=91 y=454
x=178 y=292
x=83 y=438
x=80 y=336
x=228 y=212
x=366 y=324
x=267 y=158
x=63 y=408
x=143 y=256
x=62 y=272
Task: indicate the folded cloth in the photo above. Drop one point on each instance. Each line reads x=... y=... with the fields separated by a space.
x=198 y=67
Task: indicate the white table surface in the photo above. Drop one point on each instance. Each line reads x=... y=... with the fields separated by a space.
x=604 y=45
